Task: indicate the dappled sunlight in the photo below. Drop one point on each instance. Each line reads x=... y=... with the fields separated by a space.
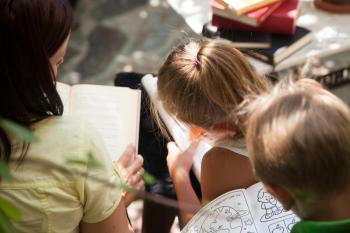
x=154 y=3
x=195 y=12
x=326 y=33
x=190 y=5
x=143 y=14
x=329 y=38
x=308 y=19
x=128 y=68
x=138 y=54
x=329 y=64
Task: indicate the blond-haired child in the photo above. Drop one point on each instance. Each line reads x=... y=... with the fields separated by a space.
x=201 y=83
x=298 y=139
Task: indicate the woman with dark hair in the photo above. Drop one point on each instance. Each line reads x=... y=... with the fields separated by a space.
x=33 y=41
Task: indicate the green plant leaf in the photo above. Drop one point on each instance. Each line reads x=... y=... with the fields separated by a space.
x=9 y=209
x=89 y=161
x=19 y=131
x=6 y=225
x=127 y=187
x=5 y=172
x=148 y=178
x=93 y=163
x=79 y=162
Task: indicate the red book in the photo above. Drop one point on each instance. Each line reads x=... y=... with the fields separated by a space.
x=252 y=18
x=281 y=21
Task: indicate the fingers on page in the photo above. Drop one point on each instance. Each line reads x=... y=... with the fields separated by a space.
x=128 y=155
x=135 y=166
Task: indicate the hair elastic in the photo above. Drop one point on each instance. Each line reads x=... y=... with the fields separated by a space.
x=196 y=62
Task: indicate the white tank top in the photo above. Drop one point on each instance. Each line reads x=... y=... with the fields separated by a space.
x=235 y=145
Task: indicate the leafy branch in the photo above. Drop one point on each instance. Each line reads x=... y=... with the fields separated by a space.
x=19 y=131
x=148 y=178
x=8 y=211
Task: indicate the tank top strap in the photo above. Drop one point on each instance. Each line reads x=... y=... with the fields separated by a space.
x=237 y=146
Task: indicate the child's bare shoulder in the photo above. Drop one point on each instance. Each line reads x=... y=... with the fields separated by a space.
x=224 y=170
x=218 y=155
x=216 y=166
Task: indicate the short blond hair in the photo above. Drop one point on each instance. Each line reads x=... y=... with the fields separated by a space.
x=298 y=136
x=203 y=80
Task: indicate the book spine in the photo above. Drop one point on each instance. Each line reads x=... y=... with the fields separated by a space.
x=254 y=18
x=228 y=15
x=271 y=9
x=274 y=25
x=223 y=3
x=254 y=53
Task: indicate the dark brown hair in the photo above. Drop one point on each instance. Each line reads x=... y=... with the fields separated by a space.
x=31 y=32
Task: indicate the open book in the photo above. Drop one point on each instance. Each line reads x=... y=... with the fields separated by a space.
x=251 y=210
x=114 y=112
x=178 y=130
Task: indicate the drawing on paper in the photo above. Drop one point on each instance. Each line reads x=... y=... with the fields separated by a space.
x=240 y=212
x=230 y=215
x=223 y=220
x=284 y=226
x=269 y=204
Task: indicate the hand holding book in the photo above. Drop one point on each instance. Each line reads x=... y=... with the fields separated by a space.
x=180 y=162
x=179 y=165
x=130 y=167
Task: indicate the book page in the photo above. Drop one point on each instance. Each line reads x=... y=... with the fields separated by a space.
x=243 y=6
x=229 y=213
x=269 y=215
x=64 y=92
x=113 y=111
x=243 y=211
x=246 y=3
x=178 y=130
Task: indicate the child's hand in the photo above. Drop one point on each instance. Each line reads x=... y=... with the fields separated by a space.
x=130 y=167
x=180 y=163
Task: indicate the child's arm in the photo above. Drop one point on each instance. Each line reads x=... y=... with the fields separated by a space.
x=223 y=170
x=179 y=165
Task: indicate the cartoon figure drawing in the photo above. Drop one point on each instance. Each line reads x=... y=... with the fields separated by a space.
x=284 y=226
x=291 y=224
x=194 y=230
x=223 y=220
x=278 y=229
x=269 y=204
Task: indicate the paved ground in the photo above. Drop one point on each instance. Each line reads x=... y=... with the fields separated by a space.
x=120 y=35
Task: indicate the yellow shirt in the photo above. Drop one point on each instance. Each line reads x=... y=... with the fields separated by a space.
x=55 y=200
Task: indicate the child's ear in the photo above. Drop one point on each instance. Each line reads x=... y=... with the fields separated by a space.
x=281 y=194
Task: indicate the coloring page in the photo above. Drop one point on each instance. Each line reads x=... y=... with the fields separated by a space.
x=243 y=211
x=268 y=213
x=229 y=213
